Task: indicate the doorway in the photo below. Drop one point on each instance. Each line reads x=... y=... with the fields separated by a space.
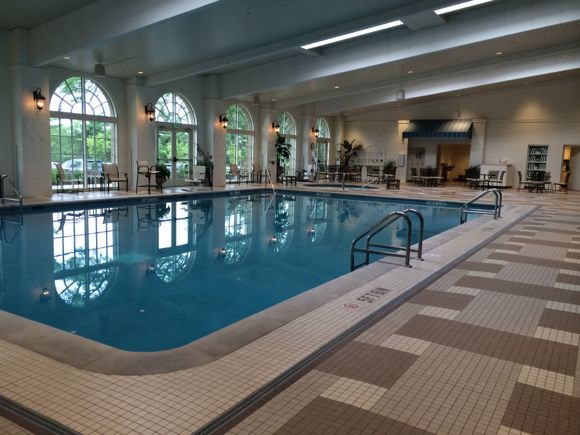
x=571 y=163
x=455 y=157
x=175 y=151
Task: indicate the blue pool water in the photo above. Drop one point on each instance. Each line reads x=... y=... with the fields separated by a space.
x=156 y=276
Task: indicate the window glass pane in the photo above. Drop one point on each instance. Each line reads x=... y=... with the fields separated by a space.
x=83 y=143
x=173 y=109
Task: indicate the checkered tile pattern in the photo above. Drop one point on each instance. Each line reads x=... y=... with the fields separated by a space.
x=492 y=347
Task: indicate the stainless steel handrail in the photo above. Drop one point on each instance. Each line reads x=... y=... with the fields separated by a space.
x=18 y=198
x=464 y=211
x=4 y=220
x=381 y=225
x=269 y=175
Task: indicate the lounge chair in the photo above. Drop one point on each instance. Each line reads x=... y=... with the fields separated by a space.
x=111 y=173
x=61 y=180
x=239 y=176
x=562 y=186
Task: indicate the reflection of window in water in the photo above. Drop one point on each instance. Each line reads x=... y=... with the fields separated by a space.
x=173 y=268
x=237 y=229
x=173 y=227
x=283 y=224
x=318 y=220
x=85 y=247
x=174 y=234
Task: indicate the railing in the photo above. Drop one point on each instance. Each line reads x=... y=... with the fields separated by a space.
x=465 y=210
x=269 y=178
x=371 y=248
x=4 y=220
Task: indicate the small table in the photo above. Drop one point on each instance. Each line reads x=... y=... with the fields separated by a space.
x=289 y=179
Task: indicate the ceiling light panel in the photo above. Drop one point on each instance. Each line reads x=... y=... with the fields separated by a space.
x=460 y=6
x=351 y=35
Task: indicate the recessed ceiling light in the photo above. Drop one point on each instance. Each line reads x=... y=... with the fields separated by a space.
x=499 y=53
x=336 y=87
x=351 y=35
x=273 y=99
x=410 y=71
x=140 y=72
x=66 y=58
x=526 y=83
x=459 y=6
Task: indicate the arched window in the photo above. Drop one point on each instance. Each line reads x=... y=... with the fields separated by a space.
x=288 y=130
x=239 y=138
x=323 y=141
x=83 y=128
x=176 y=135
x=174 y=109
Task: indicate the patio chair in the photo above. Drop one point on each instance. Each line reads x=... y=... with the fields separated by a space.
x=522 y=184
x=562 y=186
x=61 y=180
x=239 y=176
x=111 y=173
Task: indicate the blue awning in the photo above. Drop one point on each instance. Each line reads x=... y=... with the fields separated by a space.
x=439 y=129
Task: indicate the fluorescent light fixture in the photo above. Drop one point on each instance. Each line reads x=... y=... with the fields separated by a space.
x=459 y=6
x=353 y=34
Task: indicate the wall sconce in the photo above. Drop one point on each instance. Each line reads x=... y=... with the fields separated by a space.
x=223 y=120
x=276 y=127
x=150 y=269
x=45 y=294
x=150 y=112
x=315 y=131
x=221 y=253
x=273 y=240
x=39 y=99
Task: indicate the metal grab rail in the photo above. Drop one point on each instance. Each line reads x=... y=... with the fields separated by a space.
x=18 y=198
x=496 y=209
x=381 y=225
x=4 y=238
x=269 y=177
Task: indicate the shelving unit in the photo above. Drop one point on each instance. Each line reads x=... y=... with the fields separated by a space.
x=537 y=160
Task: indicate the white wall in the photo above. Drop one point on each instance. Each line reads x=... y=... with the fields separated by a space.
x=541 y=113
x=6 y=135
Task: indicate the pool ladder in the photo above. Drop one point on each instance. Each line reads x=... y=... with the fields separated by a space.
x=5 y=220
x=377 y=248
x=465 y=208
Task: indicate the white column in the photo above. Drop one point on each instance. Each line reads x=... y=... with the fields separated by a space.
x=268 y=138
x=308 y=141
x=140 y=131
x=477 y=142
x=216 y=139
x=31 y=131
x=402 y=145
x=336 y=139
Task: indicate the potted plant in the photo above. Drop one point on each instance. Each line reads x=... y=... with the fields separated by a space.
x=349 y=150
x=282 y=154
x=163 y=174
x=390 y=168
x=445 y=169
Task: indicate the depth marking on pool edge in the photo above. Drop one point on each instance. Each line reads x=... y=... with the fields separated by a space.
x=370 y=296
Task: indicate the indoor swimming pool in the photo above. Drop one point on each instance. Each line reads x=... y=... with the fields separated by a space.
x=154 y=276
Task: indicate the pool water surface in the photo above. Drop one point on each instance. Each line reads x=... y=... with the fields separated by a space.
x=159 y=275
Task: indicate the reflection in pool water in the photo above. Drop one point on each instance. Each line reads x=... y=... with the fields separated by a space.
x=160 y=275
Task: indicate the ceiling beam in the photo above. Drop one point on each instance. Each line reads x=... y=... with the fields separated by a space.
x=99 y=22
x=476 y=76
x=508 y=18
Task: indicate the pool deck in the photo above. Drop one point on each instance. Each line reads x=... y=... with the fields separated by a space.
x=487 y=343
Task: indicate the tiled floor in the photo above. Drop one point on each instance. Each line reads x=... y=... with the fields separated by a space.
x=489 y=347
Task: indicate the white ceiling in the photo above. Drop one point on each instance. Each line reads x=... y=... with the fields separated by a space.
x=253 y=45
